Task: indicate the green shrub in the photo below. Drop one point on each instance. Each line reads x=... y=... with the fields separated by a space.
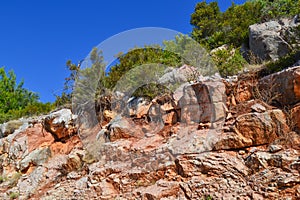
x=213 y=28
x=229 y=61
x=280 y=64
x=16 y=101
x=33 y=109
x=14 y=195
x=2 y=179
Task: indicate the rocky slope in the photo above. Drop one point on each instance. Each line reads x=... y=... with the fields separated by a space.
x=222 y=139
x=213 y=138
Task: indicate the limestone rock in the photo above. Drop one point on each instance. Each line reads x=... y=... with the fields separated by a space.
x=254 y=129
x=274 y=39
x=203 y=102
x=281 y=88
x=295 y=119
x=60 y=124
x=122 y=128
x=138 y=107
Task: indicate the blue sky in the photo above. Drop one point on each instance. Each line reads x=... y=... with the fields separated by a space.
x=38 y=37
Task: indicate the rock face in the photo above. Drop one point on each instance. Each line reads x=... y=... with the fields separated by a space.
x=60 y=124
x=282 y=87
x=254 y=129
x=274 y=39
x=216 y=141
x=203 y=102
x=295 y=119
x=26 y=152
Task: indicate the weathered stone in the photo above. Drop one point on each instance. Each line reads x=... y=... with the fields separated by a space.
x=109 y=115
x=254 y=129
x=138 y=107
x=9 y=127
x=67 y=147
x=60 y=124
x=260 y=160
x=258 y=108
x=122 y=128
x=28 y=185
x=281 y=88
x=274 y=39
x=203 y=102
x=170 y=118
x=36 y=157
x=275 y=148
x=177 y=75
x=295 y=119
x=38 y=137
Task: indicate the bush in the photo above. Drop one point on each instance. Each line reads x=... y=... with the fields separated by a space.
x=280 y=64
x=229 y=61
x=213 y=28
x=16 y=101
x=33 y=109
x=14 y=195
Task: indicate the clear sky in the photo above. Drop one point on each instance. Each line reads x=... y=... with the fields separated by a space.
x=38 y=37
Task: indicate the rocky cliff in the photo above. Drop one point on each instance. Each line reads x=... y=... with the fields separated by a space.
x=212 y=138
x=237 y=138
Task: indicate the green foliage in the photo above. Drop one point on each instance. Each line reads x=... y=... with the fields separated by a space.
x=63 y=99
x=140 y=56
x=14 y=195
x=16 y=101
x=229 y=61
x=66 y=96
x=12 y=95
x=205 y=20
x=33 y=109
x=151 y=91
x=280 y=64
x=277 y=8
x=2 y=179
x=191 y=53
x=208 y=197
x=213 y=28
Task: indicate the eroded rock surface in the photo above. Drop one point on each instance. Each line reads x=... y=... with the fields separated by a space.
x=216 y=141
x=274 y=39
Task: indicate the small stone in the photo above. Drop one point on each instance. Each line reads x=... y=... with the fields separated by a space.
x=242 y=152
x=258 y=108
x=275 y=148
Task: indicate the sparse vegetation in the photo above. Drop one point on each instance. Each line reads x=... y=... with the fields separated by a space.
x=13 y=180
x=14 y=195
x=280 y=64
x=2 y=179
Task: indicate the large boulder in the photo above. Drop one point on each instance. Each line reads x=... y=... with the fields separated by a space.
x=294 y=118
x=164 y=109
x=60 y=124
x=122 y=128
x=138 y=107
x=282 y=88
x=274 y=39
x=11 y=126
x=178 y=75
x=253 y=129
x=203 y=102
